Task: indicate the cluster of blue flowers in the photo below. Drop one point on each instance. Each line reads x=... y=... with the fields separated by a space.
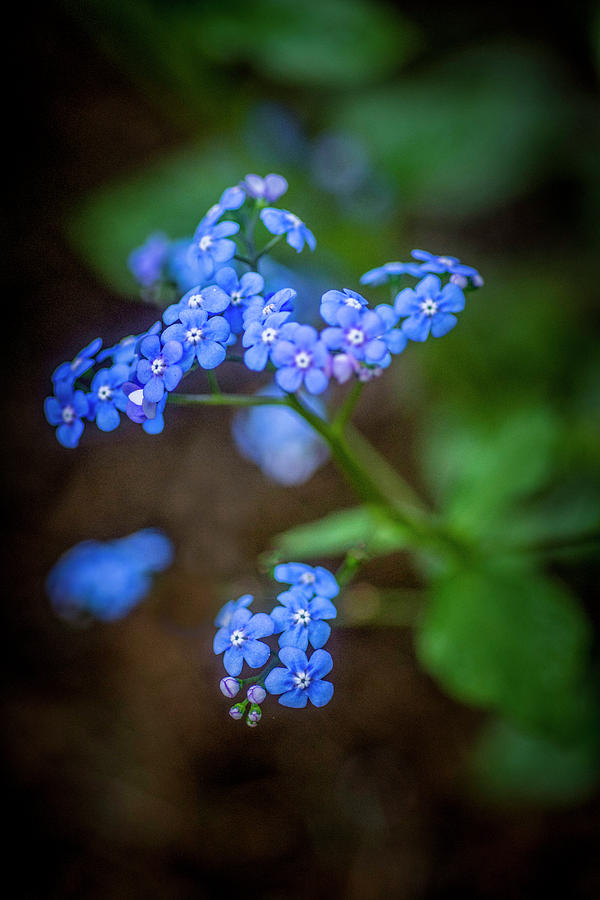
x=300 y=620
x=223 y=306
x=106 y=579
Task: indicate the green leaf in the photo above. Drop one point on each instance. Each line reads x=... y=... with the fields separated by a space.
x=508 y=640
x=342 y=531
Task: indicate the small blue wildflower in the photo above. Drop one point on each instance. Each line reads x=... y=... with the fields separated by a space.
x=223 y=617
x=66 y=409
x=302 y=361
x=84 y=360
x=334 y=301
x=282 y=443
x=183 y=267
x=383 y=274
x=269 y=188
x=429 y=308
x=280 y=221
x=211 y=246
x=159 y=371
x=239 y=640
x=241 y=292
x=147 y=262
x=358 y=333
x=312 y=580
x=301 y=679
x=261 y=339
x=437 y=265
x=259 y=309
x=302 y=620
x=107 y=397
x=200 y=336
x=141 y=411
x=106 y=580
x=211 y=299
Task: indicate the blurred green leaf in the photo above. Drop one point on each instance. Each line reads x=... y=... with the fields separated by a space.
x=510 y=765
x=508 y=640
x=342 y=531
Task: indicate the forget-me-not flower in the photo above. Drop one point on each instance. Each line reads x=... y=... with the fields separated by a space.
x=261 y=339
x=301 y=679
x=223 y=617
x=66 y=409
x=200 y=336
x=261 y=308
x=429 y=307
x=160 y=370
x=211 y=247
x=302 y=360
x=437 y=265
x=334 y=301
x=301 y=619
x=147 y=262
x=84 y=360
x=383 y=274
x=211 y=299
x=269 y=188
x=106 y=397
x=238 y=640
x=358 y=333
x=310 y=579
x=281 y=221
x=241 y=293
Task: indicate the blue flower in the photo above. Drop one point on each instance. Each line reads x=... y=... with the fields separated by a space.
x=159 y=371
x=147 y=262
x=107 y=579
x=269 y=188
x=84 y=360
x=66 y=409
x=280 y=221
x=239 y=640
x=334 y=301
x=310 y=579
x=440 y=264
x=241 y=292
x=143 y=412
x=223 y=617
x=261 y=339
x=358 y=333
x=429 y=308
x=282 y=443
x=107 y=397
x=301 y=360
x=211 y=299
x=383 y=274
x=301 y=679
x=259 y=309
x=201 y=337
x=301 y=619
x=126 y=351
x=211 y=246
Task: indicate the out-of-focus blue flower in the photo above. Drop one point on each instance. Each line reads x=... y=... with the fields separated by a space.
x=437 y=265
x=278 y=440
x=429 y=307
x=303 y=360
x=182 y=266
x=159 y=371
x=147 y=262
x=66 y=410
x=241 y=293
x=107 y=398
x=301 y=679
x=281 y=221
x=383 y=274
x=84 y=360
x=238 y=640
x=211 y=247
x=334 y=301
x=269 y=188
x=302 y=620
x=223 y=617
x=358 y=333
x=125 y=353
x=261 y=339
x=311 y=580
x=200 y=337
x=105 y=580
x=339 y=163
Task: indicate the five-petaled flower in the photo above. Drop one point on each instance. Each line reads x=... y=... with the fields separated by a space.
x=301 y=679
x=281 y=221
x=238 y=640
x=159 y=371
x=300 y=619
x=301 y=360
x=429 y=307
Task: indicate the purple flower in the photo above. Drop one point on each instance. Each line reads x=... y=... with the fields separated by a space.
x=200 y=337
x=301 y=679
x=211 y=246
x=280 y=221
x=334 y=301
x=301 y=360
x=310 y=579
x=240 y=292
x=66 y=410
x=301 y=619
x=269 y=188
x=387 y=271
x=261 y=340
x=239 y=640
x=159 y=371
x=429 y=307
x=358 y=333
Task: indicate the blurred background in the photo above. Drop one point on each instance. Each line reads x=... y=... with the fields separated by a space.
x=460 y=752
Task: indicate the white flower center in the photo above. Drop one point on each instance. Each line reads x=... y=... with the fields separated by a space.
x=194 y=335
x=429 y=306
x=353 y=303
x=444 y=261
x=158 y=366
x=355 y=336
x=301 y=680
x=195 y=301
x=307 y=578
x=268 y=309
x=301 y=617
x=68 y=414
x=76 y=362
x=269 y=335
x=303 y=359
x=205 y=242
x=237 y=637
x=236 y=298
x=293 y=220
x=104 y=392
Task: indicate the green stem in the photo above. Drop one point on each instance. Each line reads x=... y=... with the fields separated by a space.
x=213 y=383
x=225 y=400
x=347 y=408
x=266 y=249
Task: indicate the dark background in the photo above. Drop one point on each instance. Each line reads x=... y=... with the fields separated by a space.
x=126 y=777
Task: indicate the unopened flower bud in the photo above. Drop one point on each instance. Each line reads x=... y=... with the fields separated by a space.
x=460 y=281
x=256 y=693
x=237 y=712
x=251 y=723
x=255 y=714
x=477 y=281
x=229 y=686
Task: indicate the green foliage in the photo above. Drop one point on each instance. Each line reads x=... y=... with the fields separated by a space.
x=361 y=527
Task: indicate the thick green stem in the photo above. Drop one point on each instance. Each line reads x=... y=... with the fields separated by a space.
x=348 y=406
x=225 y=400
